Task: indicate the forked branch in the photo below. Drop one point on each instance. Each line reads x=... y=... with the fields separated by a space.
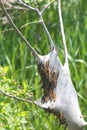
x=40 y=13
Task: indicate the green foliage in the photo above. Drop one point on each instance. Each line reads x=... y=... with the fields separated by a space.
x=18 y=70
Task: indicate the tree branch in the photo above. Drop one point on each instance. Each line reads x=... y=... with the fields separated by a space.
x=18 y=31
x=15 y=7
x=47 y=5
x=36 y=22
x=40 y=13
x=62 y=32
x=37 y=103
x=47 y=32
x=27 y=6
x=18 y=98
x=15 y=97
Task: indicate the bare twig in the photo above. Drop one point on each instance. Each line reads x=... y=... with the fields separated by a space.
x=18 y=31
x=47 y=32
x=36 y=22
x=40 y=13
x=62 y=32
x=46 y=6
x=27 y=6
x=15 y=7
x=7 y=30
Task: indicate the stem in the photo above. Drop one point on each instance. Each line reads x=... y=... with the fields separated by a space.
x=47 y=32
x=26 y=6
x=62 y=32
x=19 y=32
x=40 y=13
x=20 y=99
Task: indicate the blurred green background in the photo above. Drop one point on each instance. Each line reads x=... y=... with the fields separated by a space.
x=18 y=68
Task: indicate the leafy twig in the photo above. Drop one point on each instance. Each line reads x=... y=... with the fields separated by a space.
x=18 y=98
